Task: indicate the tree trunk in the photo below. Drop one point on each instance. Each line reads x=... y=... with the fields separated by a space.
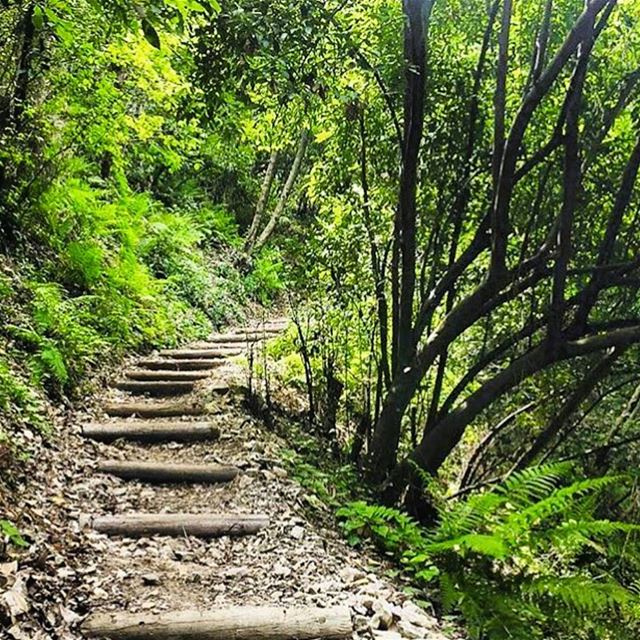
x=386 y=436
x=267 y=182
x=417 y=13
x=438 y=443
x=23 y=75
x=284 y=195
x=568 y=408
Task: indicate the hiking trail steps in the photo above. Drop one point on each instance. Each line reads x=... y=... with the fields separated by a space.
x=159 y=413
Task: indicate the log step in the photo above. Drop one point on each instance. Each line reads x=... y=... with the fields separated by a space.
x=167 y=472
x=183 y=364
x=194 y=354
x=156 y=387
x=160 y=375
x=237 y=623
x=152 y=409
x=145 y=431
x=232 y=338
x=201 y=525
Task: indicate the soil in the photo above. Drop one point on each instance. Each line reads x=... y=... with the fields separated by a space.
x=69 y=571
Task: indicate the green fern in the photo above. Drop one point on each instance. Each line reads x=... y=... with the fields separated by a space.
x=523 y=560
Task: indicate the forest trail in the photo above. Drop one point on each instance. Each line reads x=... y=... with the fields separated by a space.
x=184 y=524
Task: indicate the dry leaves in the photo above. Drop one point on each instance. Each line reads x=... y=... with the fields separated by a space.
x=70 y=570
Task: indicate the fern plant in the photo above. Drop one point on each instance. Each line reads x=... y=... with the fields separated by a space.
x=527 y=559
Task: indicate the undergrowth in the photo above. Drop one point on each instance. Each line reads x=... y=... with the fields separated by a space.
x=104 y=270
x=532 y=558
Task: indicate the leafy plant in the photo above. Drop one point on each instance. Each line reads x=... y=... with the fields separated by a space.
x=530 y=558
x=10 y=531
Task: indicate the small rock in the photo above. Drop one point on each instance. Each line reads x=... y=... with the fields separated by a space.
x=409 y=630
x=150 y=579
x=350 y=575
x=281 y=570
x=386 y=635
x=297 y=532
x=412 y=613
x=383 y=615
x=360 y=623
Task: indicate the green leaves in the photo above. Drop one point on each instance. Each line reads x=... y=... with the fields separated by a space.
x=510 y=572
x=150 y=33
x=10 y=531
x=38 y=17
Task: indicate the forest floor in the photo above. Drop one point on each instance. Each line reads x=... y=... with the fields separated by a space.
x=69 y=570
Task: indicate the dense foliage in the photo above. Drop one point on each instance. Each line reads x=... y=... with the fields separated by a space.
x=118 y=199
x=448 y=189
x=530 y=558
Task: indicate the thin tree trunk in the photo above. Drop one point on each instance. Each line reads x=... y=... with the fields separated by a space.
x=23 y=75
x=568 y=408
x=630 y=410
x=469 y=472
x=265 y=191
x=417 y=14
x=284 y=195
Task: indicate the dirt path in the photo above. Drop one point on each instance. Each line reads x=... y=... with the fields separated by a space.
x=73 y=571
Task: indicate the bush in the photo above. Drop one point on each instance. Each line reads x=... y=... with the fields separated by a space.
x=528 y=559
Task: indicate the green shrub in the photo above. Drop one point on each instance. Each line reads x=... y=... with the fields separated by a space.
x=218 y=225
x=18 y=400
x=528 y=559
x=264 y=283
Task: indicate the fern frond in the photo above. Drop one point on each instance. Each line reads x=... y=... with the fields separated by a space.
x=560 y=501
x=486 y=545
x=581 y=593
x=534 y=483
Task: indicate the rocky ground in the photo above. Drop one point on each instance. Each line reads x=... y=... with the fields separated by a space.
x=69 y=570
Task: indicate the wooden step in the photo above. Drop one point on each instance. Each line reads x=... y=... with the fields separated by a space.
x=153 y=409
x=237 y=623
x=156 y=387
x=200 y=525
x=232 y=338
x=151 y=431
x=160 y=375
x=183 y=364
x=197 y=353
x=168 y=472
